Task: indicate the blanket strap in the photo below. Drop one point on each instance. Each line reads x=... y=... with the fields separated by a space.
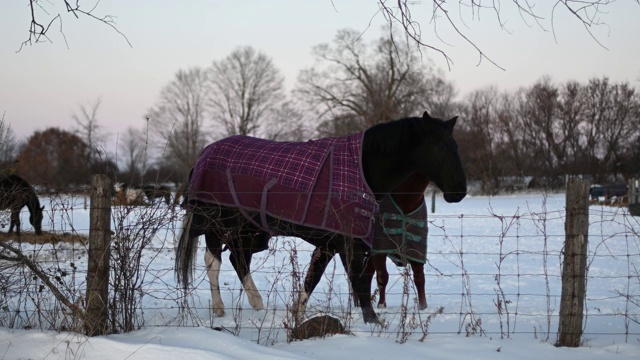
x=263 y=205
x=242 y=210
x=329 y=157
x=402 y=229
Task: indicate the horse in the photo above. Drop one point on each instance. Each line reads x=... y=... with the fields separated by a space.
x=15 y=193
x=402 y=247
x=125 y=195
x=608 y=191
x=153 y=191
x=331 y=207
x=400 y=235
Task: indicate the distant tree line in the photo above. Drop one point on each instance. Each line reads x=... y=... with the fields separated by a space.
x=540 y=132
x=547 y=130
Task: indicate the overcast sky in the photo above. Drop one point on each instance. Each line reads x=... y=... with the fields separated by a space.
x=42 y=85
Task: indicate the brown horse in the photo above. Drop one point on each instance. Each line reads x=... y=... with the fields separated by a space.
x=405 y=244
x=15 y=193
x=409 y=198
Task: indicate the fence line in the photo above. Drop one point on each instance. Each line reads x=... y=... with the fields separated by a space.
x=464 y=254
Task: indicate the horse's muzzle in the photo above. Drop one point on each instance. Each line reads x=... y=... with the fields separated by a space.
x=454 y=197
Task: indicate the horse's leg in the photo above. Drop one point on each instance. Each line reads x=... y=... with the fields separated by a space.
x=213 y=261
x=362 y=289
x=320 y=258
x=368 y=273
x=382 y=278
x=15 y=221
x=369 y=270
x=419 y=281
x=241 y=261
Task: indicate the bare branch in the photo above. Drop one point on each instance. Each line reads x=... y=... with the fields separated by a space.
x=21 y=259
x=38 y=30
x=398 y=12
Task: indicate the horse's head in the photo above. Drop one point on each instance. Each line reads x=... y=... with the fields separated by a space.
x=437 y=158
x=35 y=218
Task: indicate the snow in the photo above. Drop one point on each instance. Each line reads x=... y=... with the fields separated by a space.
x=203 y=343
x=503 y=235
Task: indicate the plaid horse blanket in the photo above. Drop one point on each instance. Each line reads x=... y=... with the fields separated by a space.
x=318 y=183
x=401 y=236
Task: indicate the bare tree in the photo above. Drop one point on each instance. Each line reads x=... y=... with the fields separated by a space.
x=481 y=122
x=358 y=86
x=550 y=130
x=441 y=100
x=133 y=149
x=177 y=120
x=8 y=147
x=44 y=15
x=570 y=110
x=287 y=124
x=89 y=129
x=247 y=92
x=538 y=111
x=610 y=122
x=509 y=131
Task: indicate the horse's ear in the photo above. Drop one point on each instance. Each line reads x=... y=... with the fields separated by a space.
x=452 y=122
x=426 y=116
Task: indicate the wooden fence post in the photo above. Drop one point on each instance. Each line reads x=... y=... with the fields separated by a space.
x=575 y=263
x=99 y=252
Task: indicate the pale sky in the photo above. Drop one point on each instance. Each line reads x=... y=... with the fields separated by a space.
x=42 y=85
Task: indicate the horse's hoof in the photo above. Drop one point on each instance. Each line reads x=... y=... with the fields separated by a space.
x=218 y=312
x=369 y=316
x=382 y=306
x=423 y=306
x=375 y=320
x=256 y=304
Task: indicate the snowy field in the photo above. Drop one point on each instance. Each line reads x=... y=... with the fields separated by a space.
x=494 y=269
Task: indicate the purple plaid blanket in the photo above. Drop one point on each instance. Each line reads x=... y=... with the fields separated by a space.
x=318 y=183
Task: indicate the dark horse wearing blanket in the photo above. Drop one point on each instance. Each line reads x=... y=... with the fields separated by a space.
x=16 y=193
x=324 y=191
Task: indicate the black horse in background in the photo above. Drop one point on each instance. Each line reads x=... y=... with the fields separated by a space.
x=388 y=154
x=16 y=193
x=154 y=191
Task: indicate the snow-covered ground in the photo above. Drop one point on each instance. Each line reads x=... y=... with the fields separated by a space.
x=485 y=254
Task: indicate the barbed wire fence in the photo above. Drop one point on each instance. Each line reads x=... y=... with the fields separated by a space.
x=492 y=273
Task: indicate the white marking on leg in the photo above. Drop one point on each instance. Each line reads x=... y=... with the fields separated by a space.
x=213 y=271
x=301 y=303
x=255 y=299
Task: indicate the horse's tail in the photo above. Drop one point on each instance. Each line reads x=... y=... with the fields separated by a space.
x=185 y=252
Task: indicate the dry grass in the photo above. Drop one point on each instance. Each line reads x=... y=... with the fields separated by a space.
x=44 y=238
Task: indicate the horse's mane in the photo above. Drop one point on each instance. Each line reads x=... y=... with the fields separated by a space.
x=394 y=136
x=17 y=180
